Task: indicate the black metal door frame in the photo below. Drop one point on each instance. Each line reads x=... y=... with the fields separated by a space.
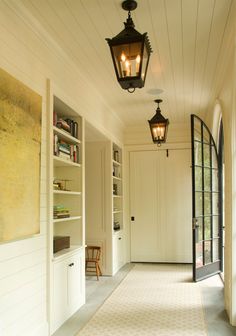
x=202 y=217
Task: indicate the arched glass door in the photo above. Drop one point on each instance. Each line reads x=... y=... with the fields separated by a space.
x=206 y=198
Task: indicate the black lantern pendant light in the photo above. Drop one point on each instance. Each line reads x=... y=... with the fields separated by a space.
x=158 y=125
x=130 y=53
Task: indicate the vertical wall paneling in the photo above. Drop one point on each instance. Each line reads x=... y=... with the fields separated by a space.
x=23 y=300
x=97 y=200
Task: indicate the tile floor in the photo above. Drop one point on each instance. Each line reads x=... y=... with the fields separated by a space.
x=98 y=291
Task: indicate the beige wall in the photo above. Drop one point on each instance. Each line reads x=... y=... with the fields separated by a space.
x=227 y=98
x=225 y=104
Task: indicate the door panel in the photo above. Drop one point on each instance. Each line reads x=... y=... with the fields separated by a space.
x=205 y=202
x=144 y=197
x=159 y=192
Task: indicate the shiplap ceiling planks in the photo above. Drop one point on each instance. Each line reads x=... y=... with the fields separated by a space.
x=188 y=38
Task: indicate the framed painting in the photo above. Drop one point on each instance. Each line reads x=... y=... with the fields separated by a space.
x=20 y=147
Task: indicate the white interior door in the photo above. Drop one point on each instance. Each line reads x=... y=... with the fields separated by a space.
x=160 y=192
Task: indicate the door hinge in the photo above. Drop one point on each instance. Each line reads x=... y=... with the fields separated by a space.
x=194 y=223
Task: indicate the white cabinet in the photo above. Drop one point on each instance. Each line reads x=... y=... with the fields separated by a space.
x=68 y=287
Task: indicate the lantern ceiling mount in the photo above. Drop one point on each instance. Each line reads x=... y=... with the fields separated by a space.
x=129 y=5
x=130 y=51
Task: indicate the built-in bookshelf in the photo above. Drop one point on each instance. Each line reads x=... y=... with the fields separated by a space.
x=66 y=224
x=67 y=173
x=117 y=193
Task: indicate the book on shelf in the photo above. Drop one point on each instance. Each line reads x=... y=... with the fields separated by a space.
x=64 y=148
x=75 y=154
x=73 y=127
x=60 y=211
x=116 y=172
x=54 y=118
x=116 y=155
x=65 y=156
x=55 y=144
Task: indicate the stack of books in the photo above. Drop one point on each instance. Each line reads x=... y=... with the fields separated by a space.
x=66 y=151
x=67 y=124
x=60 y=211
x=61 y=123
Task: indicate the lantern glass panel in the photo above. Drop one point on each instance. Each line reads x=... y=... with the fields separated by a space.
x=158 y=132
x=127 y=59
x=144 y=63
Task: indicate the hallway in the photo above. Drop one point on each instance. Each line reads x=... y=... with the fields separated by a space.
x=210 y=292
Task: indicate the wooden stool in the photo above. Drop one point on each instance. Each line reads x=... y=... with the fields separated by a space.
x=92 y=259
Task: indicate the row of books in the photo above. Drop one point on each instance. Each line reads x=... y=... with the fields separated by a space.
x=65 y=151
x=60 y=211
x=67 y=124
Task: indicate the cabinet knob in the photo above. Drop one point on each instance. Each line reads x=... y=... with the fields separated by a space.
x=119 y=238
x=70 y=265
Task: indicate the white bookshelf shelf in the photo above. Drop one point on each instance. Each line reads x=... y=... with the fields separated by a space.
x=116 y=163
x=66 y=219
x=67 y=252
x=65 y=136
x=117 y=178
x=65 y=192
x=59 y=162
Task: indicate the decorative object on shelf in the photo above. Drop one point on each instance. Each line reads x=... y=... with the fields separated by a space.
x=66 y=124
x=158 y=126
x=60 y=211
x=130 y=51
x=61 y=184
x=60 y=243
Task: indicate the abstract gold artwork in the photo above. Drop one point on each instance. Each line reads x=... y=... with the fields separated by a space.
x=20 y=146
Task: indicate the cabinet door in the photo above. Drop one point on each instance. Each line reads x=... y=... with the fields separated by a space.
x=75 y=279
x=68 y=288
x=120 y=245
x=59 y=294
x=118 y=253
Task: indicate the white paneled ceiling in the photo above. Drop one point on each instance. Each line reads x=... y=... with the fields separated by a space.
x=190 y=41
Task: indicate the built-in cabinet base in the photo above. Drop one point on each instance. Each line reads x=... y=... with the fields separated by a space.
x=68 y=286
